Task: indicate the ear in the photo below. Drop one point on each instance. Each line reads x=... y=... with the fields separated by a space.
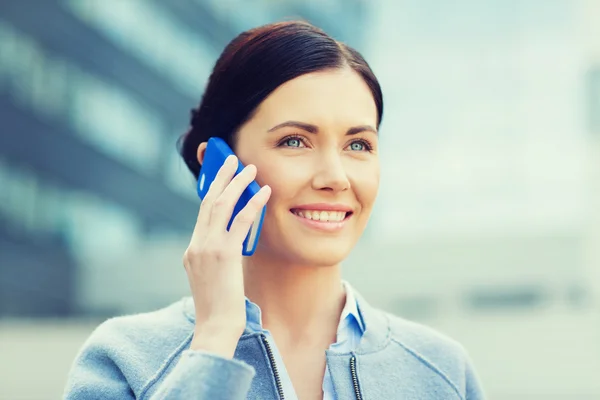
x=200 y=152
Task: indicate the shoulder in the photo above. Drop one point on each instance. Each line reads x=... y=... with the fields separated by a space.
x=442 y=355
x=418 y=339
x=424 y=342
x=138 y=348
x=150 y=329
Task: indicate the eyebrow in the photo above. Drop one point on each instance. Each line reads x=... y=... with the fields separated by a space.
x=314 y=129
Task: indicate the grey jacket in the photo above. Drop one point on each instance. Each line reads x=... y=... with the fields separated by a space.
x=146 y=356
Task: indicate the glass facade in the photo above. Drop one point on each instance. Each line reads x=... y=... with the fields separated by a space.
x=88 y=166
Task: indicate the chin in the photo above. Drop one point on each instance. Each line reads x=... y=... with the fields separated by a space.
x=296 y=244
x=317 y=252
x=320 y=260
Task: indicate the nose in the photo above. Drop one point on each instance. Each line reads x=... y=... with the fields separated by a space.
x=331 y=174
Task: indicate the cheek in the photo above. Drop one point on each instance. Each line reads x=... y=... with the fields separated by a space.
x=284 y=178
x=366 y=185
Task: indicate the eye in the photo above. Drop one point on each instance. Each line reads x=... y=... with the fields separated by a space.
x=292 y=141
x=360 y=145
x=357 y=146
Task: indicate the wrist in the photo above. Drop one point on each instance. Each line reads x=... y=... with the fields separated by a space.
x=216 y=338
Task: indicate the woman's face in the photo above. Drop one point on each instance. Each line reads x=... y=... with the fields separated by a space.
x=314 y=142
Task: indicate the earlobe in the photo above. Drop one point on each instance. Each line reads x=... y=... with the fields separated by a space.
x=200 y=152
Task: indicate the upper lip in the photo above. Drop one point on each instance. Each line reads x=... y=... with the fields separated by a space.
x=323 y=207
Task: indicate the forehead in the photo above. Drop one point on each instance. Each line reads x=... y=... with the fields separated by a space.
x=337 y=96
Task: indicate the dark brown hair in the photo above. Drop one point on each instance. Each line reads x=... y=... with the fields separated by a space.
x=252 y=66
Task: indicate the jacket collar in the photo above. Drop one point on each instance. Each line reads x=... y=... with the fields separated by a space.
x=377 y=327
x=376 y=334
x=349 y=314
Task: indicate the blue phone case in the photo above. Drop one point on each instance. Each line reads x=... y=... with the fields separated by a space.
x=216 y=153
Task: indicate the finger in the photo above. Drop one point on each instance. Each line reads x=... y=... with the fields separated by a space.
x=243 y=221
x=223 y=206
x=222 y=179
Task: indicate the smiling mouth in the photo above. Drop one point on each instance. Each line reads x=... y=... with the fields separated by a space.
x=322 y=216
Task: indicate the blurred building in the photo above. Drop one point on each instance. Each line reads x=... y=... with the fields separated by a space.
x=93 y=95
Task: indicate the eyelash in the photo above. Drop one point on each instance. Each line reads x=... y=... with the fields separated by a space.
x=364 y=142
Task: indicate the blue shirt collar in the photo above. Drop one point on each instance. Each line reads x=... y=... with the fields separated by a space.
x=350 y=310
x=350 y=315
x=253 y=316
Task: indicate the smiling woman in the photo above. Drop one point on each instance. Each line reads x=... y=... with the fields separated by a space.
x=302 y=111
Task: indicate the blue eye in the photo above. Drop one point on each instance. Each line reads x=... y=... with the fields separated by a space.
x=357 y=146
x=293 y=142
x=360 y=145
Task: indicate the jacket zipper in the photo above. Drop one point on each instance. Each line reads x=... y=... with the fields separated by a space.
x=355 y=378
x=273 y=367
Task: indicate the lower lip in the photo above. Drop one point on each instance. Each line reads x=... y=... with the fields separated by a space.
x=322 y=225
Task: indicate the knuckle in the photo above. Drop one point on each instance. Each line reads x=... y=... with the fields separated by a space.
x=214 y=255
x=247 y=175
x=256 y=202
x=219 y=203
x=245 y=217
x=206 y=202
x=212 y=187
x=215 y=250
x=187 y=259
x=207 y=199
x=255 y=205
x=191 y=254
x=196 y=249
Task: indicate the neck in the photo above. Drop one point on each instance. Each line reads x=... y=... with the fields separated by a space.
x=297 y=301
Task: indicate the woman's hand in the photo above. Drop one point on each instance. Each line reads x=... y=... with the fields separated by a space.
x=213 y=260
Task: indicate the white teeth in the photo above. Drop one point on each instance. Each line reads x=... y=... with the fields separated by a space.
x=325 y=216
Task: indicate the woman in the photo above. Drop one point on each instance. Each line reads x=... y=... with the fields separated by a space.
x=302 y=112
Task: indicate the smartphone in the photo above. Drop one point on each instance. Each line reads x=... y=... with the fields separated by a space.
x=215 y=155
